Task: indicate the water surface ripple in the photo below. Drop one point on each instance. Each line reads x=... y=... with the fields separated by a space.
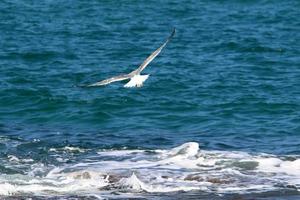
x=229 y=81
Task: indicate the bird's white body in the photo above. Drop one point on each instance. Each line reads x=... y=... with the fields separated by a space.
x=136 y=81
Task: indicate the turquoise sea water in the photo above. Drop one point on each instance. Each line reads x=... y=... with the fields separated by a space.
x=229 y=82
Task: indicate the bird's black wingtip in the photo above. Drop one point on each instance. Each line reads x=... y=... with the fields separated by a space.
x=173 y=33
x=83 y=86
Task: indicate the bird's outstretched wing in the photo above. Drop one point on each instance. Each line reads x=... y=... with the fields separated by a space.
x=110 y=80
x=138 y=70
x=153 y=55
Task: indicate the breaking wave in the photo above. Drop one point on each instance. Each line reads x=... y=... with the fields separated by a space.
x=184 y=168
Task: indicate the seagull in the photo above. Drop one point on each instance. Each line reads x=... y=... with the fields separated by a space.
x=136 y=79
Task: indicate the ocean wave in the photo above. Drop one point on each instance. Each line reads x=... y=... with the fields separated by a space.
x=183 y=168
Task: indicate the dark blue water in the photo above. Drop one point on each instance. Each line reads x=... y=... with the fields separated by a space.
x=229 y=80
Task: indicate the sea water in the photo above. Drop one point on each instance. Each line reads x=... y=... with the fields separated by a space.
x=217 y=119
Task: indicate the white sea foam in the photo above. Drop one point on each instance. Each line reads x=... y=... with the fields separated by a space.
x=13 y=158
x=68 y=149
x=182 y=168
x=132 y=182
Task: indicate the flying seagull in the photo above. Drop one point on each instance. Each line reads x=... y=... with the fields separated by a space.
x=136 y=79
